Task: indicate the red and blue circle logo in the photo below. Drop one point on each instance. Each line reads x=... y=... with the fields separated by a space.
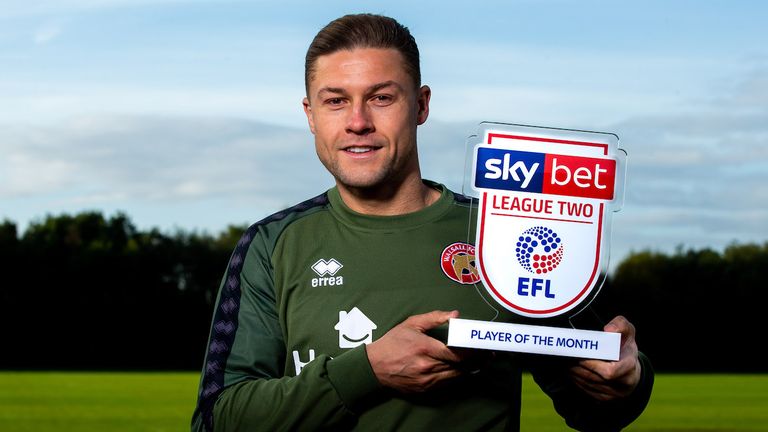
x=539 y=250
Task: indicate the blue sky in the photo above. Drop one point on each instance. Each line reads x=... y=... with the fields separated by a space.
x=187 y=114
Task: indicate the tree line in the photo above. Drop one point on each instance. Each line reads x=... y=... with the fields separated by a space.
x=695 y=310
x=87 y=291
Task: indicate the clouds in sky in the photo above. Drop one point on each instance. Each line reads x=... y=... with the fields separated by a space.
x=173 y=164
x=12 y=9
x=698 y=177
x=196 y=122
x=47 y=32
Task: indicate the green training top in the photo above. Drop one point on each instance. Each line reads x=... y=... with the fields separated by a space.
x=307 y=288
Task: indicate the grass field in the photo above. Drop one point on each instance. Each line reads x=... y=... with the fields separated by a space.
x=156 y=402
x=680 y=403
x=96 y=402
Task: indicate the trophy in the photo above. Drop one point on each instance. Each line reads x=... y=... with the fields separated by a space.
x=545 y=200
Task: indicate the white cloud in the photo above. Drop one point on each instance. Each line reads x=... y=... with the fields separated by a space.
x=47 y=7
x=25 y=175
x=567 y=87
x=698 y=168
x=151 y=158
x=47 y=33
x=567 y=108
x=45 y=104
x=699 y=178
x=196 y=171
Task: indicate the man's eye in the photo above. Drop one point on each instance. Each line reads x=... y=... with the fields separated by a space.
x=382 y=99
x=334 y=101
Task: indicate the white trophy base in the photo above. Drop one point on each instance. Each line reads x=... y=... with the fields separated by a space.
x=533 y=339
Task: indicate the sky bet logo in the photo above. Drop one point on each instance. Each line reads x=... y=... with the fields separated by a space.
x=522 y=171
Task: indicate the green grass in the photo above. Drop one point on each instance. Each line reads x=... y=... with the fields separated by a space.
x=136 y=402
x=93 y=401
x=679 y=403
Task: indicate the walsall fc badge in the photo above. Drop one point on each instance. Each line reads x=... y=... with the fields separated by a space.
x=458 y=263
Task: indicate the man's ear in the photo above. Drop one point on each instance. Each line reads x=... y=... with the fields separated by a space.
x=425 y=93
x=308 y=112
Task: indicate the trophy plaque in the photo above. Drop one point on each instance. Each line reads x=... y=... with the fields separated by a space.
x=545 y=200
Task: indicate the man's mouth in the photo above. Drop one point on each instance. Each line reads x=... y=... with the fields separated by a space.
x=360 y=150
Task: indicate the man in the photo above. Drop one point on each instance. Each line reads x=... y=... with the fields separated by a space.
x=326 y=311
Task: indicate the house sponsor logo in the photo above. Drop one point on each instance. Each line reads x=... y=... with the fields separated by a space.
x=354 y=328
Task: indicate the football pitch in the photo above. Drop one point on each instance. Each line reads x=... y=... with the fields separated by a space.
x=156 y=402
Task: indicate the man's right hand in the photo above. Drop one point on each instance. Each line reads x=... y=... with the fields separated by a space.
x=409 y=361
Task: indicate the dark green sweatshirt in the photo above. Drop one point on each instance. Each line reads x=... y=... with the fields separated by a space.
x=307 y=288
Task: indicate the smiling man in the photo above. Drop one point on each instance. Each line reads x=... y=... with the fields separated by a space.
x=363 y=108
x=325 y=315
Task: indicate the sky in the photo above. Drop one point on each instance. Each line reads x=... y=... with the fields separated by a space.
x=187 y=114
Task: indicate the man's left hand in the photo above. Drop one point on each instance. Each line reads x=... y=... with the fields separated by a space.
x=609 y=380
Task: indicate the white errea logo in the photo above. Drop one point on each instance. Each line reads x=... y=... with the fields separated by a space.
x=327 y=271
x=323 y=267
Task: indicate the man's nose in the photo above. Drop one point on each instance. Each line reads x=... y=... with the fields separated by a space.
x=360 y=121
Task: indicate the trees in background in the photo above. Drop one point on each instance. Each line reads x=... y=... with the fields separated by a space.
x=89 y=292
x=695 y=310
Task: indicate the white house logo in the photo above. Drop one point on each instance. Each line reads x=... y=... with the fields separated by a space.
x=326 y=270
x=354 y=328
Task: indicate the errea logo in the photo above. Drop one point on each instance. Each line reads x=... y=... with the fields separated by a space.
x=327 y=271
x=323 y=267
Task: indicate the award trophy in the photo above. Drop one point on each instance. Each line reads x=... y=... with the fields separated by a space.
x=545 y=200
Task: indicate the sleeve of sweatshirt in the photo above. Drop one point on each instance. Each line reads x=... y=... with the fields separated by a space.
x=582 y=412
x=243 y=384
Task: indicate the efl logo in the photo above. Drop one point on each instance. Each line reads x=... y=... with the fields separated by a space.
x=539 y=250
x=554 y=174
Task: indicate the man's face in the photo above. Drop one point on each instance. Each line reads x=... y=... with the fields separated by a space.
x=363 y=109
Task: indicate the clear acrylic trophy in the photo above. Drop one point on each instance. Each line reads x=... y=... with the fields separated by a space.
x=545 y=199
